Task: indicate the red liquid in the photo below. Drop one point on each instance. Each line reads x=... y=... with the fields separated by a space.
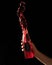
x=29 y=54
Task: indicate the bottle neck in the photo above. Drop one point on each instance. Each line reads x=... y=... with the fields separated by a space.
x=25 y=36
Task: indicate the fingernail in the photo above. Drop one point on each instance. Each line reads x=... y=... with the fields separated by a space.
x=21 y=43
x=21 y=46
x=22 y=49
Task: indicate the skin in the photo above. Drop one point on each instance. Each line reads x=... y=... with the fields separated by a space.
x=40 y=56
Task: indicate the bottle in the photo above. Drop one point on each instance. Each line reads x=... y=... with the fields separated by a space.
x=28 y=50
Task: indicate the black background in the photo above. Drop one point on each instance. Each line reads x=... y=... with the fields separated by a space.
x=38 y=15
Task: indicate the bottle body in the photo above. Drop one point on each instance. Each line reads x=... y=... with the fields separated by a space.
x=28 y=50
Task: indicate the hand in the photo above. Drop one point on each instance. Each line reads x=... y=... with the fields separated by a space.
x=40 y=56
x=33 y=47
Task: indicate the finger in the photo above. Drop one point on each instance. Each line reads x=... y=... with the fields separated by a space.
x=23 y=49
x=21 y=43
x=22 y=46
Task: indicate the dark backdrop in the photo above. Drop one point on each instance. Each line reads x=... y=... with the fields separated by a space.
x=39 y=26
